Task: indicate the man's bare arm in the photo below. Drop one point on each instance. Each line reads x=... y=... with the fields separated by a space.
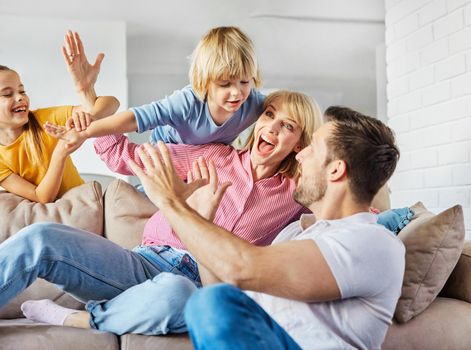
x=295 y=269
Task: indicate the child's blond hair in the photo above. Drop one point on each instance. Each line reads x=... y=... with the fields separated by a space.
x=32 y=131
x=307 y=115
x=223 y=53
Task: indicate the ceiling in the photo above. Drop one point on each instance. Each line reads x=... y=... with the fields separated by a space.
x=297 y=38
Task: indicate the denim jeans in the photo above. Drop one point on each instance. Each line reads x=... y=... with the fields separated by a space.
x=92 y=268
x=223 y=317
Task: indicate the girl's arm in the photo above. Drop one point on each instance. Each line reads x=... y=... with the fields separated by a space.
x=84 y=76
x=49 y=186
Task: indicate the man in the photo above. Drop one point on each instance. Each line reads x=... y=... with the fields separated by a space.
x=329 y=282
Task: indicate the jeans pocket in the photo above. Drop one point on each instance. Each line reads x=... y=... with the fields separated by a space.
x=189 y=268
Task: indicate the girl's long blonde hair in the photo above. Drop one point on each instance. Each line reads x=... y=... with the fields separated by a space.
x=32 y=131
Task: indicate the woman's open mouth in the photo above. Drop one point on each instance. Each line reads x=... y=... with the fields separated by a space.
x=264 y=145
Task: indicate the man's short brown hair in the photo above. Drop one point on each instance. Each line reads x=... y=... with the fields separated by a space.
x=366 y=145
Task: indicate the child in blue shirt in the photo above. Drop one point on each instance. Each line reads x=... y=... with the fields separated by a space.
x=220 y=102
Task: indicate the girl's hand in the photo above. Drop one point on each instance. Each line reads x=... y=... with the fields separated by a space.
x=83 y=73
x=79 y=120
x=69 y=140
x=205 y=200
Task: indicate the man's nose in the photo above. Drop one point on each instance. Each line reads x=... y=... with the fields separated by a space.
x=301 y=154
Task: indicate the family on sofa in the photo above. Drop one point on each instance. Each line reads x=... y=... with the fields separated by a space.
x=238 y=219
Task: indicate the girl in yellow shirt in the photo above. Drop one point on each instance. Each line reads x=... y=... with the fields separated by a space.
x=33 y=164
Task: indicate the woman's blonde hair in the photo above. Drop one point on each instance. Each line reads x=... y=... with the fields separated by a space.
x=223 y=53
x=32 y=131
x=306 y=113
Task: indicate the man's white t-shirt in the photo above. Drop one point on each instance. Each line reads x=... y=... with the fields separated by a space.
x=367 y=262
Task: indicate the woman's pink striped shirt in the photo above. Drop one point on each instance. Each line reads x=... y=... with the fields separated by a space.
x=254 y=211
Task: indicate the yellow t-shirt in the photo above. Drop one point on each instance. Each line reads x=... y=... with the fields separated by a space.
x=14 y=157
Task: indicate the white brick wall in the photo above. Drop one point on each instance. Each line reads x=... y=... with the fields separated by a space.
x=428 y=55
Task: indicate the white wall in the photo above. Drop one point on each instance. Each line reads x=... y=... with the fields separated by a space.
x=31 y=46
x=429 y=101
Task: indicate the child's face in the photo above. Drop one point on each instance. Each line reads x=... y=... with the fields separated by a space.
x=14 y=103
x=226 y=96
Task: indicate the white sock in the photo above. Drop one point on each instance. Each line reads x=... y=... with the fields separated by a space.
x=46 y=311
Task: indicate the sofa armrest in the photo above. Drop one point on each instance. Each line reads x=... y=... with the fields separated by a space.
x=458 y=285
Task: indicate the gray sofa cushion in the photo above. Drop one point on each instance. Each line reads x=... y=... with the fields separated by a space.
x=22 y=334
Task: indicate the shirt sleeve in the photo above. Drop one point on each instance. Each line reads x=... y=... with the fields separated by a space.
x=363 y=263
x=173 y=110
x=116 y=150
x=56 y=115
x=4 y=172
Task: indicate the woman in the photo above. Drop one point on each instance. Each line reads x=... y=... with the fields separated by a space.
x=255 y=207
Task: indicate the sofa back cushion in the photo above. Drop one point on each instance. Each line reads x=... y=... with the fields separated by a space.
x=433 y=246
x=126 y=213
x=80 y=207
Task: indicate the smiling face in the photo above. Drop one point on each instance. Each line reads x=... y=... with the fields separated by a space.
x=14 y=103
x=276 y=135
x=226 y=96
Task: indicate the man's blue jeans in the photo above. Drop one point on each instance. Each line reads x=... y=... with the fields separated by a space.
x=141 y=291
x=223 y=317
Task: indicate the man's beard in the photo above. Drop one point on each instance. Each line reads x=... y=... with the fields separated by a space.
x=306 y=195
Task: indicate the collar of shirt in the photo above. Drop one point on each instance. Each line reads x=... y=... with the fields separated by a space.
x=309 y=220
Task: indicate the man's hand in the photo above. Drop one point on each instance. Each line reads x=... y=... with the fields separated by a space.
x=205 y=200
x=83 y=73
x=159 y=178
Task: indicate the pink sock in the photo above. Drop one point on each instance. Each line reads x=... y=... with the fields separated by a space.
x=46 y=311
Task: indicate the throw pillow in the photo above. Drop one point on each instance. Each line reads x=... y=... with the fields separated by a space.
x=126 y=213
x=80 y=207
x=433 y=246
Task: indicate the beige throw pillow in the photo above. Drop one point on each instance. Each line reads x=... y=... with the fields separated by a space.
x=126 y=213
x=433 y=246
x=80 y=207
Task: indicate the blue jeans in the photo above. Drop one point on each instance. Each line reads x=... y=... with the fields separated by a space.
x=91 y=268
x=223 y=317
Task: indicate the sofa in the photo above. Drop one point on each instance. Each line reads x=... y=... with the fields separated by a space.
x=434 y=313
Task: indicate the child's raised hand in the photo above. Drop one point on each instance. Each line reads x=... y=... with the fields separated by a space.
x=79 y=120
x=83 y=73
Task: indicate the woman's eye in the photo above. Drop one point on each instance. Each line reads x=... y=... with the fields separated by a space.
x=269 y=114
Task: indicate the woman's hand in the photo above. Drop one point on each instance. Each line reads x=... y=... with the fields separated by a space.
x=83 y=73
x=79 y=120
x=205 y=200
x=159 y=178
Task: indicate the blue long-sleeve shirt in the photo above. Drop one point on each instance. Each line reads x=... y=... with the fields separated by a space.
x=183 y=118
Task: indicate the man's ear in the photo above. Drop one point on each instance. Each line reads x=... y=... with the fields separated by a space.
x=337 y=169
